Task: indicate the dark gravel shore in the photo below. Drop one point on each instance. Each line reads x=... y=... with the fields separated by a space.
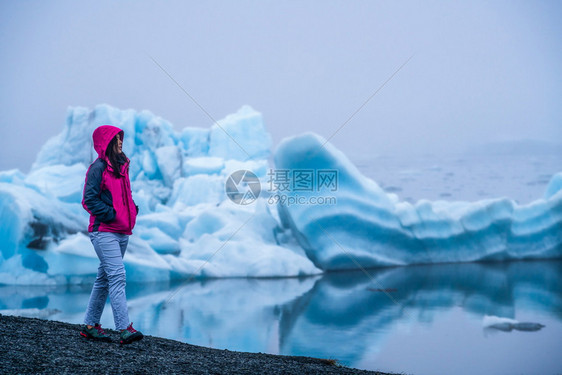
x=34 y=346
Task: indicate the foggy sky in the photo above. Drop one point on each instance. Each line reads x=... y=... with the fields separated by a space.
x=479 y=72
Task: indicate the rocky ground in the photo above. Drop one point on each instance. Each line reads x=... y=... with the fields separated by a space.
x=34 y=346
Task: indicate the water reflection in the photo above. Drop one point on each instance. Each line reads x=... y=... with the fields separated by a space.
x=344 y=315
x=341 y=315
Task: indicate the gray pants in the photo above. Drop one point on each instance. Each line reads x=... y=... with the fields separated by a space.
x=110 y=248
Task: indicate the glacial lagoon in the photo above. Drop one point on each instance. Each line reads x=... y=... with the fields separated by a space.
x=422 y=319
x=427 y=319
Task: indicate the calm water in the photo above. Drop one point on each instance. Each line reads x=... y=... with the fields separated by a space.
x=418 y=320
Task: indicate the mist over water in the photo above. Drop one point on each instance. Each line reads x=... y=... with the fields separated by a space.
x=463 y=177
x=480 y=71
x=483 y=76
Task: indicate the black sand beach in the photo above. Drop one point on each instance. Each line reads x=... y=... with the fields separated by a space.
x=35 y=346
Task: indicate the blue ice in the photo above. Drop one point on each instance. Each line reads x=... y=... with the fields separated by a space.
x=178 y=181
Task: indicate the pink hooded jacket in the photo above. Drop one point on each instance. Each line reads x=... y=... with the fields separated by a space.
x=107 y=198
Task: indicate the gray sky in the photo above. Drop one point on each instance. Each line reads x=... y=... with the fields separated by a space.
x=481 y=70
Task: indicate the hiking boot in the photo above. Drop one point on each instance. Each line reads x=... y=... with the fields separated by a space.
x=95 y=333
x=129 y=335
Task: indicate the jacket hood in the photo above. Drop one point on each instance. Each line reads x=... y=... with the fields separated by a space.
x=102 y=136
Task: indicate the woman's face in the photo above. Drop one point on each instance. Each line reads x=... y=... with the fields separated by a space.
x=118 y=145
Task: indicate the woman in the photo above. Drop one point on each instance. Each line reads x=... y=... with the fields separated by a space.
x=108 y=199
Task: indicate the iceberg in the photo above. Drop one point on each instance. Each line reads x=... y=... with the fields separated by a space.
x=508 y=325
x=189 y=228
x=368 y=227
